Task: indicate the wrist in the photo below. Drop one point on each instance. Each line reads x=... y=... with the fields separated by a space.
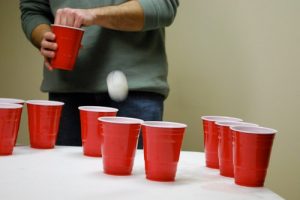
x=94 y=16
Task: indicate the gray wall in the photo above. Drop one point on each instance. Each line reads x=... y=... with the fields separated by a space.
x=236 y=58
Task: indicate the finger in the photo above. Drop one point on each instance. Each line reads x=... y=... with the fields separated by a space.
x=49 y=45
x=63 y=20
x=47 y=64
x=49 y=36
x=62 y=15
x=78 y=21
x=47 y=53
x=70 y=18
x=58 y=16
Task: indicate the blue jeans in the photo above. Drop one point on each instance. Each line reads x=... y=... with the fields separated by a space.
x=142 y=105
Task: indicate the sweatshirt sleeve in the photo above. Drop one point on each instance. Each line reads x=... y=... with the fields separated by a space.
x=159 y=13
x=34 y=13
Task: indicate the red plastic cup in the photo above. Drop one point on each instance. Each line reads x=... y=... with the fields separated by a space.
x=211 y=138
x=10 y=115
x=162 y=143
x=120 y=136
x=68 y=41
x=90 y=131
x=225 y=146
x=251 y=154
x=15 y=101
x=43 y=122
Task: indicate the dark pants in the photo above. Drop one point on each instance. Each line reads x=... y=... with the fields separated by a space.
x=142 y=105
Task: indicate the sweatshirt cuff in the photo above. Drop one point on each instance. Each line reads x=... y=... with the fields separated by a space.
x=150 y=15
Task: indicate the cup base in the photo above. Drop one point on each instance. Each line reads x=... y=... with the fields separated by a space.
x=6 y=146
x=160 y=179
x=114 y=173
x=249 y=184
x=249 y=177
x=161 y=171
x=226 y=174
x=66 y=68
x=5 y=153
x=117 y=166
x=92 y=154
x=212 y=165
x=42 y=144
x=41 y=147
x=226 y=171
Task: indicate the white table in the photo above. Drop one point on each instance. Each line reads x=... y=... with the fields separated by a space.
x=64 y=173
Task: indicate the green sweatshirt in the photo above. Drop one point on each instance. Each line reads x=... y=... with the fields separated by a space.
x=140 y=55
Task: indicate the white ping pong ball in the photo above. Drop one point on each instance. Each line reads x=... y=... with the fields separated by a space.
x=117 y=85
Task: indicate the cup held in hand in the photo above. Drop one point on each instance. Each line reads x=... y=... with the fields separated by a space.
x=68 y=41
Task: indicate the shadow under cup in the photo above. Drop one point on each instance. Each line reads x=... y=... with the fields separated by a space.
x=162 y=144
x=68 y=41
x=252 y=148
x=90 y=130
x=43 y=122
x=10 y=115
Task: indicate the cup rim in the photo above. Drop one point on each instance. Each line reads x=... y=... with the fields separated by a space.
x=235 y=123
x=10 y=105
x=163 y=124
x=98 y=109
x=45 y=102
x=11 y=100
x=214 y=118
x=120 y=120
x=254 y=130
x=70 y=27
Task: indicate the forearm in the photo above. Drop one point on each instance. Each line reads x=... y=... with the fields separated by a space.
x=132 y=15
x=37 y=34
x=35 y=15
x=128 y=16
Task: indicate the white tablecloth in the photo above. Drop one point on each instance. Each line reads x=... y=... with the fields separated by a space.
x=64 y=173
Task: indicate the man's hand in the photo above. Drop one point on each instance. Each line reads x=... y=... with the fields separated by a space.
x=74 y=17
x=44 y=40
x=48 y=48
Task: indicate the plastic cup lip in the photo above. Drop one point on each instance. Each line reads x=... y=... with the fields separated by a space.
x=163 y=124
x=214 y=118
x=97 y=109
x=254 y=130
x=45 y=103
x=10 y=105
x=11 y=100
x=121 y=120
x=70 y=27
x=234 y=123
